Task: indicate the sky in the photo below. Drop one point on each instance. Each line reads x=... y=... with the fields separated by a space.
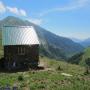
x=68 y=18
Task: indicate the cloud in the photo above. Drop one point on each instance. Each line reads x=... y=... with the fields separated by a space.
x=16 y=11
x=23 y=12
x=36 y=21
x=74 y=4
x=13 y=10
x=2 y=7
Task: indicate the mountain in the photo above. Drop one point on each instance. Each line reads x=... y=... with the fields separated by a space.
x=86 y=42
x=51 y=45
x=76 y=40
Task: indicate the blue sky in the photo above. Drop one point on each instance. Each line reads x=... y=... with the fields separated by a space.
x=69 y=18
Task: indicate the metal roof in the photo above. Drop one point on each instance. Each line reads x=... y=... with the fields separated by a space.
x=19 y=35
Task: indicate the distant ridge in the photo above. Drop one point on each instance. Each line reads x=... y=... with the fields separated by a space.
x=86 y=43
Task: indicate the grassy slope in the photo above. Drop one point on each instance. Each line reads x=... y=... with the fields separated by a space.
x=85 y=56
x=87 y=53
x=49 y=79
x=80 y=58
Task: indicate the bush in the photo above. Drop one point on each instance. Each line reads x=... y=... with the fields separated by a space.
x=87 y=61
x=59 y=68
x=20 y=78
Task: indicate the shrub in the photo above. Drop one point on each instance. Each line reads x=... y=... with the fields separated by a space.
x=87 y=61
x=59 y=68
x=20 y=78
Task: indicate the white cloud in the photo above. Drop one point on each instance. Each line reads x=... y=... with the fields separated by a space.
x=23 y=12
x=2 y=7
x=36 y=21
x=13 y=10
x=16 y=11
x=74 y=4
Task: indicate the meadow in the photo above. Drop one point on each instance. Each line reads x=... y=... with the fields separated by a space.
x=50 y=78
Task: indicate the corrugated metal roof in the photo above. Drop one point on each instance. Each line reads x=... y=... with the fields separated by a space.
x=19 y=35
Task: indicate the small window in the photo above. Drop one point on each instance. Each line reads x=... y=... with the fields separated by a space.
x=21 y=50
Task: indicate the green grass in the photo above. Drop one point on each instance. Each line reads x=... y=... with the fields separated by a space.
x=85 y=56
x=49 y=79
x=87 y=52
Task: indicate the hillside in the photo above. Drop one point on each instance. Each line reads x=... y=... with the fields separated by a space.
x=81 y=57
x=85 y=56
x=67 y=77
x=52 y=45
